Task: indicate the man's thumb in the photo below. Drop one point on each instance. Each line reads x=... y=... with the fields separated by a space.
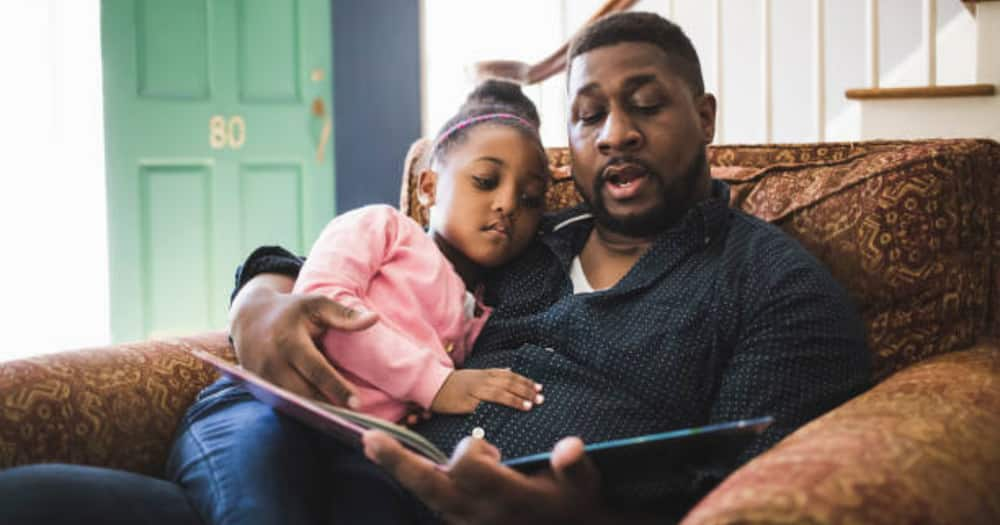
x=326 y=313
x=573 y=468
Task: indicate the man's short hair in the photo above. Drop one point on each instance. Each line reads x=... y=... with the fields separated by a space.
x=648 y=28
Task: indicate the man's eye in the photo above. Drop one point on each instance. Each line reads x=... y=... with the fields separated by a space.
x=484 y=183
x=648 y=108
x=591 y=117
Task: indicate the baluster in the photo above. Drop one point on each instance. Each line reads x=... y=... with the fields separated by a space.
x=765 y=73
x=872 y=42
x=930 y=40
x=819 y=67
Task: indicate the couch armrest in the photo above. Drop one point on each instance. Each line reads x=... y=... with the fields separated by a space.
x=923 y=446
x=116 y=406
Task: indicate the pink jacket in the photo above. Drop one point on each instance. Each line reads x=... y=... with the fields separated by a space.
x=378 y=259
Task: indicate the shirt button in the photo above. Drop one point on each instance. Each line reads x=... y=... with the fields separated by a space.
x=549 y=349
x=449 y=347
x=478 y=433
x=708 y=240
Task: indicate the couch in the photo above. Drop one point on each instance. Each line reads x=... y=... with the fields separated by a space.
x=911 y=229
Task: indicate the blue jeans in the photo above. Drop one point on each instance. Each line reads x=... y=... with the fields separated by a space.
x=234 y=461
x=72 y=494
x=239 y=461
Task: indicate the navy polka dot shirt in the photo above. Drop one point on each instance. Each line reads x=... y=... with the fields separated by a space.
x=724 y=318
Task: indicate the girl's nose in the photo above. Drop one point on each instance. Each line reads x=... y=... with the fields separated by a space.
x=505 y=200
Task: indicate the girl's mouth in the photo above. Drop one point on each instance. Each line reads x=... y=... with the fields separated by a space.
x=498 y=228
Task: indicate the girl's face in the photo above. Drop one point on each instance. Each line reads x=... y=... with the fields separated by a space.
x=486 y=195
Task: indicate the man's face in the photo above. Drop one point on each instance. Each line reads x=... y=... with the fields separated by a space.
x=637 y=135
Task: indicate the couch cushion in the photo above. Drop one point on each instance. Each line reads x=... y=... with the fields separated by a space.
x=905 y=226
x=921 y=447
x=116 y=406
x=909 y=228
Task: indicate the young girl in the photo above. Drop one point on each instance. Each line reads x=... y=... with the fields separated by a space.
x=484 y=184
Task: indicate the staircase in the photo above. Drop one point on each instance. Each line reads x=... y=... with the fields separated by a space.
x=957 y=110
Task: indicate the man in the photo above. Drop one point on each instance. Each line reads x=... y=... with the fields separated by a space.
x=652 y=307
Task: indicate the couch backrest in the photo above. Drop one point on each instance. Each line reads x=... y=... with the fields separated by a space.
x=910 y=228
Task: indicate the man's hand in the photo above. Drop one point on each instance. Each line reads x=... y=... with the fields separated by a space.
x=462 y=392
x=275 y=332
x=476 y=488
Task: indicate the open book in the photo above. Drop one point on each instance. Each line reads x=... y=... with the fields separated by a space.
x=685 y=449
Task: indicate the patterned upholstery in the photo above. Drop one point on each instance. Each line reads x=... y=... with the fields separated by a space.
x=912 y=229
x=923 y=446
x=116 y=406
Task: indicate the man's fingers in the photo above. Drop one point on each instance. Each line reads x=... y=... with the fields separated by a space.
x=292 y=381
x=572 y=468
x=475 y=467
x=325 y=313
x=427 y=481
x=317 y=371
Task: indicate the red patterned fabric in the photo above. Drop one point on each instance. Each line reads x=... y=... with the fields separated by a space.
x=921 y=447
x=117 y=406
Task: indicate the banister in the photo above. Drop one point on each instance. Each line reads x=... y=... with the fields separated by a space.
x=526 y=74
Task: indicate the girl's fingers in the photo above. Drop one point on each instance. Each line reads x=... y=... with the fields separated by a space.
x=503 y=397
x=518 y=385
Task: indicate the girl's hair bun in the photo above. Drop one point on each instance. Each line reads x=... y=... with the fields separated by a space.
x=500 y=96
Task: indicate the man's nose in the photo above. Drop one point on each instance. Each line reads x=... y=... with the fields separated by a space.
x=618 y=134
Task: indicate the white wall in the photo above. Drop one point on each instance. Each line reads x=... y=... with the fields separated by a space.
x=53 y=228
x=458 y=33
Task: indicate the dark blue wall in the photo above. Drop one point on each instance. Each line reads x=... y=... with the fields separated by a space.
x=376 y=97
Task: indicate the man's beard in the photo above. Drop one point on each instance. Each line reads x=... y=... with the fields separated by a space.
x=673 y=203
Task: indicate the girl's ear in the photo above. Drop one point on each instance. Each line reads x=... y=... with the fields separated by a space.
x=426 y=187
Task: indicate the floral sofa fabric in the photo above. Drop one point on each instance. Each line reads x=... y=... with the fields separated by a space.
x=911 y=229
x=116 y=407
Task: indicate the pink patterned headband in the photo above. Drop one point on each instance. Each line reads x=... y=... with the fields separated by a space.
x=481 y=118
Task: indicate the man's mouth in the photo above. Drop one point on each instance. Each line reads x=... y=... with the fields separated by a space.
x=623 y=180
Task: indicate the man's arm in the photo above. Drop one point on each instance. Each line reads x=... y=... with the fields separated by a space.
x=801 y=352
x=274 y=332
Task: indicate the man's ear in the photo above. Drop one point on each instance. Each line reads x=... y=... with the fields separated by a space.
x=426 y=187
x=705 y=105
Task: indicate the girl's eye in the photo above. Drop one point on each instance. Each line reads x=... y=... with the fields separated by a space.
x=485 y=183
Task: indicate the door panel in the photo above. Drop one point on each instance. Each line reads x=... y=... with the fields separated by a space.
x=176 y=198
x=171 y=40
x=268 y=50
x=211 y=135
x=269 y=206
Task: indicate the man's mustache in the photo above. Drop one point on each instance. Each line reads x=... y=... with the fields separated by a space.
x=624 y=160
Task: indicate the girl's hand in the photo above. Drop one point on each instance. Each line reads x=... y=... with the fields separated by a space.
x=462 y=392
x=416 y=415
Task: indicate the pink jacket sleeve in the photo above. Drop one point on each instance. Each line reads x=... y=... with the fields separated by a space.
x=342 y=262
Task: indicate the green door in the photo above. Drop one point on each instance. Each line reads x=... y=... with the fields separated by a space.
x=218 y=139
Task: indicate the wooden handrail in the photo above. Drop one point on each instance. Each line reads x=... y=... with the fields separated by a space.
x=526 y=74
x=970 y=5
x=968 y=90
